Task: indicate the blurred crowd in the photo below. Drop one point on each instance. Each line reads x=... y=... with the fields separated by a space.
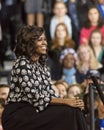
x=75 y=35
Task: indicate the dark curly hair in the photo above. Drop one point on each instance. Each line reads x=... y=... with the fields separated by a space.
x=26 y=37
x=2 y=102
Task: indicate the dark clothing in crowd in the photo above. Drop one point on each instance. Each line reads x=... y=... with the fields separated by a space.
x=10 y=22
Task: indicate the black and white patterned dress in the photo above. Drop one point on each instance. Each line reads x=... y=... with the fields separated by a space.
x=28 y=104
x=30 y=82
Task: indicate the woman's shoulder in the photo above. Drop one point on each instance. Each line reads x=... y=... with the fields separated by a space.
x=67 y=17
x=21 y=61
x=53 y=19
x=84 y=29
x=102 y=28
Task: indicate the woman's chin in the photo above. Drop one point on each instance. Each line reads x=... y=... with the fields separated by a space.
x=44 y=52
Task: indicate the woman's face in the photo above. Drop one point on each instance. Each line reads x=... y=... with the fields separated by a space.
x=60 y=9
x=41 y=45
x=96 y=38
x=84 y=54
x=69 y=61
x=101 y=1
x=60 y=32
x=93 y=15
x=62 y=90
x=73 y=91
x=4 y=92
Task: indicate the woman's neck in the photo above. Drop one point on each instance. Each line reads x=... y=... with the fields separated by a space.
x=86 y=63
x=61 y=42
x=97 y=46
x=60 y=18
x=97 y=50
x=85 y=67
x=94 y=23
x=35 y=58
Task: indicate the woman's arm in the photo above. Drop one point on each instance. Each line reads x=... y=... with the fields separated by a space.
x=70 y=102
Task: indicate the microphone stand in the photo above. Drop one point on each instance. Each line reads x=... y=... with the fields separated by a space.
x=91 y=91
x=91 y=109
x=95 y=82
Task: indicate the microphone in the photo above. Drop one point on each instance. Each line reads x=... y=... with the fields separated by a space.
x=95 y=82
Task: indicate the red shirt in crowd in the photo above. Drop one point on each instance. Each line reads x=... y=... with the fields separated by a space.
x=85 y=34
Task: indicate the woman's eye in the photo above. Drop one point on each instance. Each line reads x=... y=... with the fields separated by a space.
x=45 y=39
x=42 y=39
x=39 y=39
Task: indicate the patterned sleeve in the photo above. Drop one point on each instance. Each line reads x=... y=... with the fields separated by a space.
x=51 y=90
x=31 y=83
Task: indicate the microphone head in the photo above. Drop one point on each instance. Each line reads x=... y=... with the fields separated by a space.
x=93 y=73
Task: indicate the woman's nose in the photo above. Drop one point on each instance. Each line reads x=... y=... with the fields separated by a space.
x=44 y=42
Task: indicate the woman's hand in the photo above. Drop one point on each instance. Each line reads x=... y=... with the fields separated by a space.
x=75 y=102
x=80 y=103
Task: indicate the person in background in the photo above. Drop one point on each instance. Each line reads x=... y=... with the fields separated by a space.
x=100 y=107
x=33 y=9
x=65 y=84
x=94 y=21
x=82 y=8
x=100 y=6
x=87 y=97
x=88 y=80
x=72 y=10
x=96 y=43
x=4 y=91
x=61 y=88
x=60 y=16
x=74 y=15
x=68 y=60
x=32 y=103
x=75 y=91
x=2 y=105
x=86 y=61
x=61 y=41
x=11 y=20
